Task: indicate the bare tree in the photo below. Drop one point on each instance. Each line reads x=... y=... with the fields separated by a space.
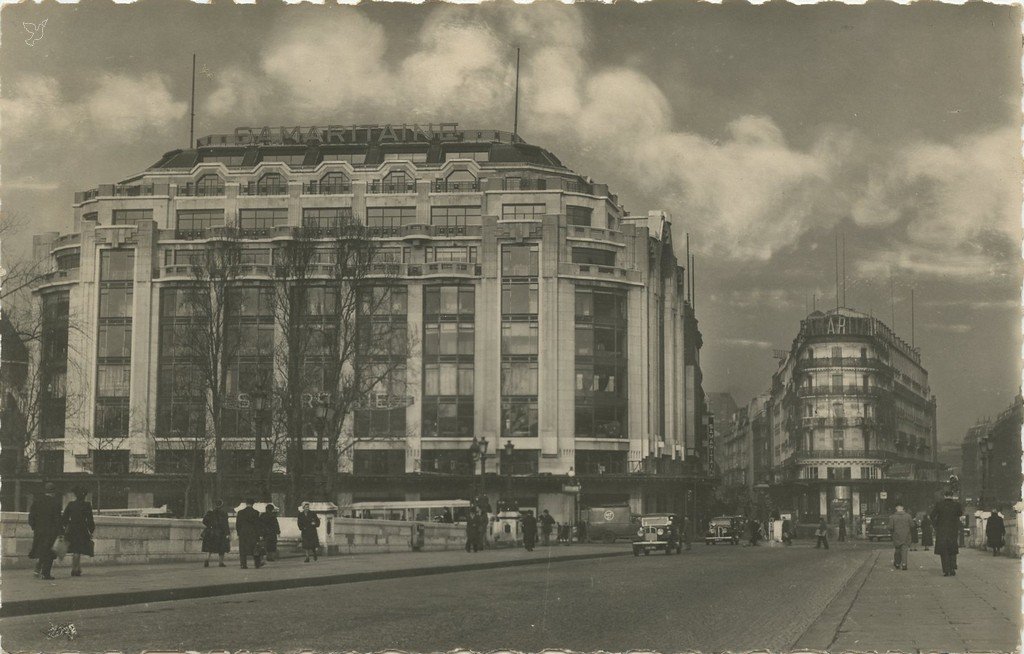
x=215 y=273
x=338 y=345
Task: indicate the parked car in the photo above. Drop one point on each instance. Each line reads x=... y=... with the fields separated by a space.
x=610 y=523
x=724 y=529
x=878 y=528
x=658 y=531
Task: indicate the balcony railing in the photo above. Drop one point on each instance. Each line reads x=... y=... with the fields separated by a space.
x=598 y=272
x=57 y=277
x=446 y=268
x=193 y=191
x=856 y=421
x=595 y=234
x=841 y=362
x=851 y=389
x=316 y=188
x=385 y=187
x=191 y=234
x=65 y=240
x=252 y=188
x=122 y=191
x=524 y=184
x=442 y=186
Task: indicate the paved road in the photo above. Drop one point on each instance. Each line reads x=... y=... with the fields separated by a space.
x=710 y=599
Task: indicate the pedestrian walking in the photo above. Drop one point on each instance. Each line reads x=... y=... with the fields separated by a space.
x=44 y=517
x=546 y=523
x=787 y=536
x=685 y=528
x=842 y=528
x=529 y=530
x=926 y=530
x=900 y=526
x=270 y=530
x=822 y=533
x=946 y=520
x=753 y=532
x=247 y=524
x=995 y=531
x=473 y=530
x=77 y=526
x=309 y=522
x=216 y=533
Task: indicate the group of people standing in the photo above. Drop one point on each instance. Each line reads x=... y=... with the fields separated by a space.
x=478 y=521
x=72 y=524
x=257 y=533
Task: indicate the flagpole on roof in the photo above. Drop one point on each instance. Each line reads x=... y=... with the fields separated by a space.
x=192 y=117
x=515 y=120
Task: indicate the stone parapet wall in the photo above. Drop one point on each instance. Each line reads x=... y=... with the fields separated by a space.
x=121 y=540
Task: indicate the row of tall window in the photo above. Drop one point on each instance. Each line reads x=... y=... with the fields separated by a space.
x=519 y=342
x=601 y=360
x=114 y=344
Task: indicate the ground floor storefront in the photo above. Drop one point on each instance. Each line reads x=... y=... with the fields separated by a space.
x=809 y=501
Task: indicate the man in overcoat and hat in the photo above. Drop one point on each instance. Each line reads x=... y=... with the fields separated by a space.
x=44 y=517
x=946 y=520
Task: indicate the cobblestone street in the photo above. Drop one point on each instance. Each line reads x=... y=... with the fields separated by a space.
x=710 y=599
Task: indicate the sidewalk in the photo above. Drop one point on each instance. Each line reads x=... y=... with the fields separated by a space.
x=884 y=609
x=101 y=586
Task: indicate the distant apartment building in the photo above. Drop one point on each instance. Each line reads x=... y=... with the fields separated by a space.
x=848 y=426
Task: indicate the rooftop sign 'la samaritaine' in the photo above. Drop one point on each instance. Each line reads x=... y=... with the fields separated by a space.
x=356 y=134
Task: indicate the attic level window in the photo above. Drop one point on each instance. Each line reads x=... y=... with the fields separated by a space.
x=354 y=158
x=482 y=156
x=271 y=184
x=294 y=159
x=522 y=211
x=414 y=157
x=228 y=160
x=92 y=215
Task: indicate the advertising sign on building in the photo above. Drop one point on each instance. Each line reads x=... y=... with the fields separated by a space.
x=900 y=471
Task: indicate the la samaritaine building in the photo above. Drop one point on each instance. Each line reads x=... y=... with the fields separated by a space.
x=548 y=317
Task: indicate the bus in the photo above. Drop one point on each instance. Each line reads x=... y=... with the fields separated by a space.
x=410 y=511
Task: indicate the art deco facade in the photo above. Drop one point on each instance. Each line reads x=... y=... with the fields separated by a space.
x=546 y=316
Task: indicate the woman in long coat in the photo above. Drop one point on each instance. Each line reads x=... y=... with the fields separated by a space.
x=77 y=526
x=308 y=523
x=995 y=531
x=946 y=518
x=217 y=535
x=271 y=529
x=926 y=530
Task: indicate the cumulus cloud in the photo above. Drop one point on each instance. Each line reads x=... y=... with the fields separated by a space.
x=748 y=195
x=133 y=104
x=957 y=206
x=117 y=103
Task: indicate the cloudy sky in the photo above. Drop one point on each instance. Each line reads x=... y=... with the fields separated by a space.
x=763 y=130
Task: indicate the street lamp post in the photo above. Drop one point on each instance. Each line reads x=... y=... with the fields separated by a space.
x=510 y=448
x=575 y=506
x=259 y=399
x=324 y=413
x=478 y=448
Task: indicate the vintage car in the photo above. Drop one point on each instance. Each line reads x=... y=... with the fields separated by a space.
x=658 y=531
x=724 y=529
x=878 y=528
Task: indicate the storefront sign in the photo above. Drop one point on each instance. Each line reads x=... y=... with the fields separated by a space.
x=354 y=134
